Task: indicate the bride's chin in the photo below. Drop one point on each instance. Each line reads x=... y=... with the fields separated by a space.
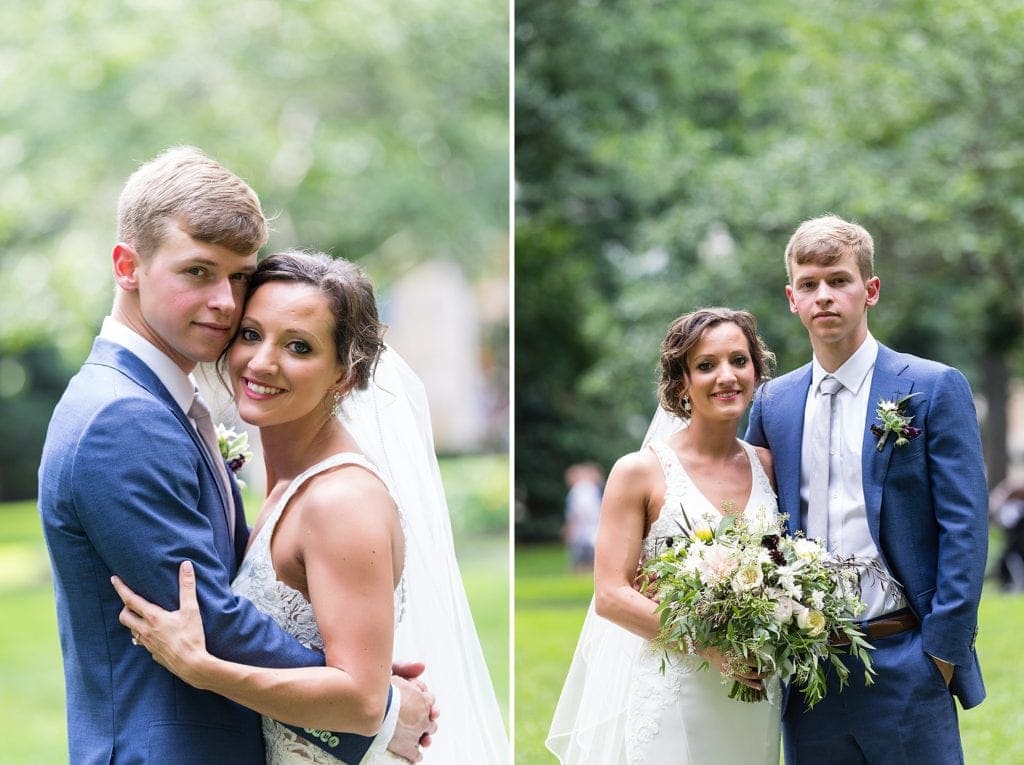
x=250 y=414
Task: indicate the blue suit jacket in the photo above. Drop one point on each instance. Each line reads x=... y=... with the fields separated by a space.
x=926 y=502
x=126 y=488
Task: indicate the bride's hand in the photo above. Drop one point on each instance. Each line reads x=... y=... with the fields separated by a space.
x=174 y=638
x=748 y=677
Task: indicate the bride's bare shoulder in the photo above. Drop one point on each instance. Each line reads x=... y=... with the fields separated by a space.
x=635 y=465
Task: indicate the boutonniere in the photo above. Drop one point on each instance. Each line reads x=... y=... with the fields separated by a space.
x=234 y=448
x=895 y=420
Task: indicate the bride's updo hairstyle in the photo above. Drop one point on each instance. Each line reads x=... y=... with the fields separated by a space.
x=684 y=333
x=358 y=330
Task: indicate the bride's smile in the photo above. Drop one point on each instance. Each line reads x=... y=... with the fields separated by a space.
x=284 y=364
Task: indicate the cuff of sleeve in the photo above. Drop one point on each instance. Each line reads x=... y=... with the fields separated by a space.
x=387 y=728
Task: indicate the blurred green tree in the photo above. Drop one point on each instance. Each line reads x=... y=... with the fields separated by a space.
x=685 y=142
x=374 y=131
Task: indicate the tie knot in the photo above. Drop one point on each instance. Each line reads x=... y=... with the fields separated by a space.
x=199 y=410
x=829 y=386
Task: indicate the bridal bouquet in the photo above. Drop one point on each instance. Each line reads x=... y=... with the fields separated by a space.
x=765 y=600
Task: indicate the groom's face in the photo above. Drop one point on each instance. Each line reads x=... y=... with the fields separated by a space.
x=833 y=300
x=187 y=296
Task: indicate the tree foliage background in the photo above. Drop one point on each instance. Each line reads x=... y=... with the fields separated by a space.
x=374 y=130
x=666 y=151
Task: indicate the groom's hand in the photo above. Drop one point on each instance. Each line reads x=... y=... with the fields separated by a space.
x=945 y=668
x=410 y=670
x=417 y=714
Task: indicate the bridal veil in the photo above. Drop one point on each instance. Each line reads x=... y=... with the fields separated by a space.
x=391 y=422
x=589 y=725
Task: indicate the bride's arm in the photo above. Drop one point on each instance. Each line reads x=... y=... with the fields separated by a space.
x=624 y=513
x=620 y=534
x=347 y=551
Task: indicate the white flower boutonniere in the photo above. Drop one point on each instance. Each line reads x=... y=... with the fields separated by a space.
x=895 y=420
x=234 y=448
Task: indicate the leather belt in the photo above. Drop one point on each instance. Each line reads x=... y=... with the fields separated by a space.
x=882 y=627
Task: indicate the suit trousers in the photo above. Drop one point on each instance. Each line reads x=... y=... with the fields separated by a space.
x=907 y=717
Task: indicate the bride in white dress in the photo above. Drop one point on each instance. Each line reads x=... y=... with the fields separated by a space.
x=619 y=703
x=352 y=552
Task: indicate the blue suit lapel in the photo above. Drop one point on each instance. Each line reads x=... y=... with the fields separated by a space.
x=106 y=353
x=886 y=383
x=788 y=426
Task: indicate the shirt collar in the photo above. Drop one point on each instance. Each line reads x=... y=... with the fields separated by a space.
x=854 y=370
x=180 y=385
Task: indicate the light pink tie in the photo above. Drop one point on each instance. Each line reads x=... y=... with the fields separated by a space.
x=200 y=414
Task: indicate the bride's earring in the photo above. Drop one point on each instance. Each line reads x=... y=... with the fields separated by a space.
x=687 y=407
x=336 y=406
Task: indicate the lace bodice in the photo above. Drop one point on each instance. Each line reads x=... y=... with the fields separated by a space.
x=681 y=492
x=258 y=582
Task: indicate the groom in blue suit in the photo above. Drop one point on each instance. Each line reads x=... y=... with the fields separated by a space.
x=126 y=486
x=911 y=498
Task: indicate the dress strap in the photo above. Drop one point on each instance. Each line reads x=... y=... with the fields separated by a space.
x=675 y=476
x=335 y=460
x=683 y=502
x=761 y=481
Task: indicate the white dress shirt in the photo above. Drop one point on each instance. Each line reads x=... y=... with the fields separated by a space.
x=180 y=385
x=847 y=517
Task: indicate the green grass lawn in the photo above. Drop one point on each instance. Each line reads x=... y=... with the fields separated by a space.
x=551 y=604
x=32 y=725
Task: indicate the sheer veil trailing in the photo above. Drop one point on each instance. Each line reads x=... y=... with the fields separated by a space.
x=589 y=725
x=391 y=422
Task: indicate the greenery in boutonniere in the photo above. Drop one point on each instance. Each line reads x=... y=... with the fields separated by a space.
x=234 y=448
x=895 y=420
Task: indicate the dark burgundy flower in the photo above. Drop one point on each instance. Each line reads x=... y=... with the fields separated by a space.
x=771 y=543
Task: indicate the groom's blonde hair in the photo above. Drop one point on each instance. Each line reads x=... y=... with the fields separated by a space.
x=825 y=240
x=185 y=186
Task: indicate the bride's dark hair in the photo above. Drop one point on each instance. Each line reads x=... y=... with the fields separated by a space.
x=358 y=330
x=684 y=333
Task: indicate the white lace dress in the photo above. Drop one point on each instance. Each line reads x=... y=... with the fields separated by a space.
x=258 y=582
x=683 y=715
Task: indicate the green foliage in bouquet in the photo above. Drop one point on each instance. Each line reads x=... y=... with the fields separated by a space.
x=764 y=599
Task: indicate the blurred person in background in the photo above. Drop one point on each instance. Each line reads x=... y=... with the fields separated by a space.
x=1008 y=515
x=582 y=512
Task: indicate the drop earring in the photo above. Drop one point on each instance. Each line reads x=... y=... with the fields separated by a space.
x=336 y=406
x=687 y=407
